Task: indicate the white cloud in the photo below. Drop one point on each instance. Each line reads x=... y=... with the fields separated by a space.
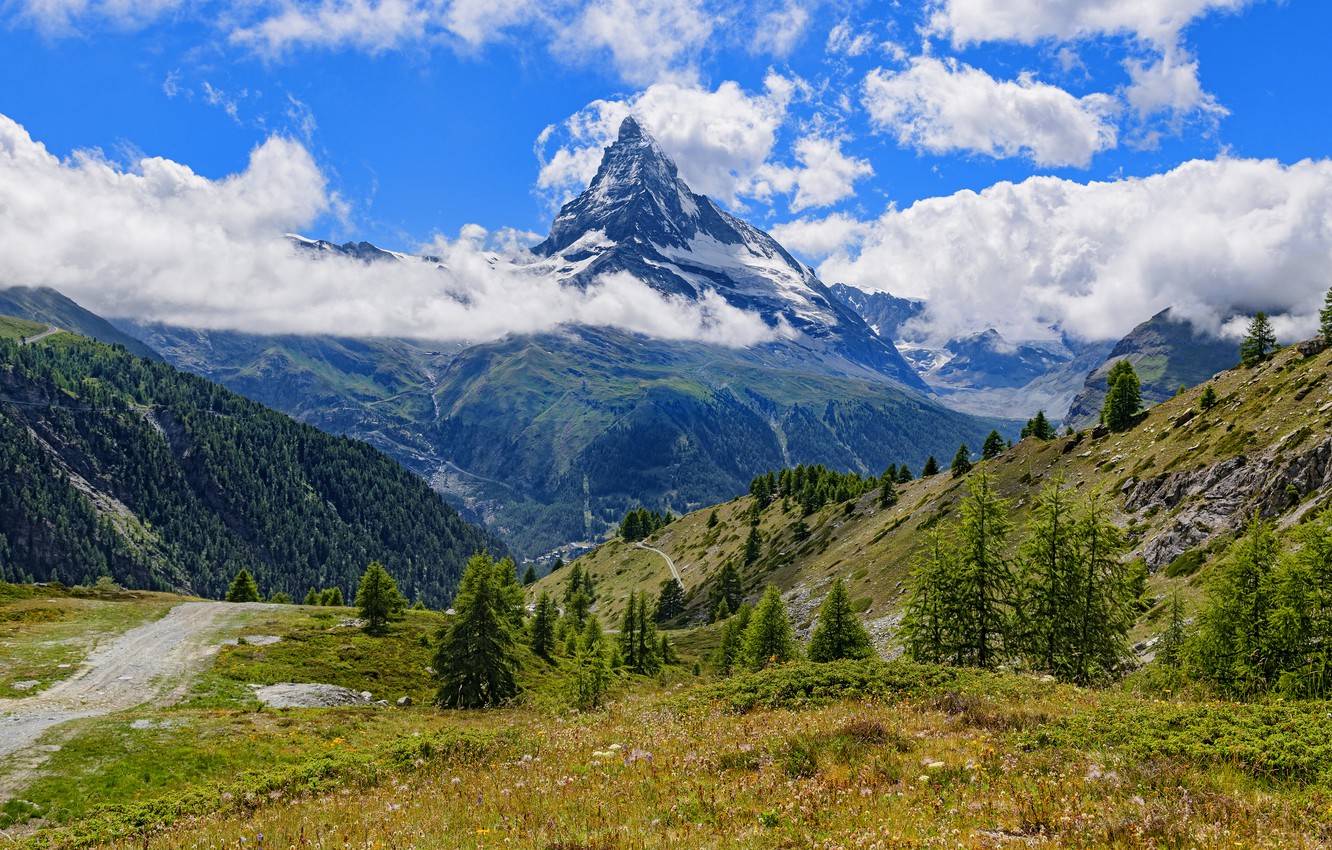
x=780 y=30
x=477 y=22
x=1170 y=84
x=647 y=42
x=160 y=242
x=62 y=17
x=720 y=140
x=825 y=175
x=370 y=25
x=843 y=39
x=822 y=237
x=942 y=107
x=1211 y=238
x=1029 y=21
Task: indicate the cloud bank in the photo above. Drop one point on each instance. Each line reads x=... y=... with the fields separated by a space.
x=159 y=242
x=1218 y=240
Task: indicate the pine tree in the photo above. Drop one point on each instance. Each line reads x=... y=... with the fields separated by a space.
x=1259 y=341
x=930 y=628
x=1325 y=318
x=993 y=446
x=1123 y=397
x=378 y=601
x=591 y=677
x=506 y=578
x=903 y=474
x=753 y=546
x=670 y=601
x=712 y=520
x=888 y=490
x=576 y=598
x=769 y=638
x=1108 y=590
x=243 y=588
x=961 y=461
x=1170 y=645
x=311 y=597
x=931 y=467
x=529 y=576
x=638 y=637
x=1050 y=571
x=1232 y=646
x=280 y=598
x=331 y=596
x=985 y=583
x=730 y=650
x=477 y=656
x=726 y=587
x=1039 y=427
x=839 y=633
x=543 y=626
x=1207 y=400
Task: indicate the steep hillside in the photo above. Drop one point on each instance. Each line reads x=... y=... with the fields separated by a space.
x=1181 y=482
x=47 y=307
x=115 y=465
x=1166 y=353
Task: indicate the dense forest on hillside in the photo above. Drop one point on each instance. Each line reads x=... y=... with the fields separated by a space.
x=115 y=465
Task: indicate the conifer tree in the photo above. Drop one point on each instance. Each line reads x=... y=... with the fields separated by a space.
x=667 y=651
x=903 y=474
x=1123 y=397
x=332 y=597
x=1039 y=427
x=591 y=677
x=753 y=546
x=576 y=597
x=1050 y=571
x=993 y=446
x=543 y=626
x=1259 y=341
x=279 y=598
x=311 y=597
x=506 y=577
x=985 y=579
x=730 y=650
x=961 y=461
x=378 y=601
x=1325 y=318
x=1207 y=400
x=769 y=638
x=477 y=657
x=529 y=575
x=243 y=588
x=1232 y=647
x=712 y=519
x=930 y=468
x=839 y=633
x=1170 y=645
x=670 y=601
x=930 y=628
x=638 y=637
x=726 y=587
x=888 y=490
x=1108 y=590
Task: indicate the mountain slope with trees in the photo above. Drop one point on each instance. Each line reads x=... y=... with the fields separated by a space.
x=119 y=466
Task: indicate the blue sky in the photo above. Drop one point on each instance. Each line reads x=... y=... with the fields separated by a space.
x=409 y=122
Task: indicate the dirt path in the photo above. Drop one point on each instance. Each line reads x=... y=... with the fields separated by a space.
x=148 y=663
x=669 y=562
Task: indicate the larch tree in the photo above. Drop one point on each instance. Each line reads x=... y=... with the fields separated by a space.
x=378 y=601
x=477 y=657
x=543 y=626
x=1259 y=341
x=769 y=638
x=243 y=588
x=839 y=633
x=1123 y=397
x=961 y=462
x=985 y=577
x=993 y=446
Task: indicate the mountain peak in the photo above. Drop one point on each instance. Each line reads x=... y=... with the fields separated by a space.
x=629 y=129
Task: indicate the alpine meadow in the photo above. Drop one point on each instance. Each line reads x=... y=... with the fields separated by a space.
x=673 y=424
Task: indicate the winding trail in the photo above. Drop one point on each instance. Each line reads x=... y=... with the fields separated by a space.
x=149 y=663
x=641 y=545
x=51 y=329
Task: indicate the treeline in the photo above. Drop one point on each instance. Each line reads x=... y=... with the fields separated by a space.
x=195 y=483
x=641 y=522
x=812 y=487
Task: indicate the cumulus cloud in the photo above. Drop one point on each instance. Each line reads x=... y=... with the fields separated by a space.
x=822 y=237
x=780 y=30
x=1169 y=84
x=62 y=17
x=1029 y=21
x=1214 y=239
x=943 y=107
x=160 y=242
x=370 y=25
x=646 y=42
x=825 y=175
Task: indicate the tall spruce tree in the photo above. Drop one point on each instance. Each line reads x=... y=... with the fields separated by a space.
x=993 y=446
x=543 y=626
x=1232 y=647
x=726 y=587
x=930 y=468
x=529 y=575
x=1259 y=341
x=590 y=678
x=1039 y=427
x=670 y=601
x=961 y=461
x=769 y=638
x=378 y=601
x=243 y=588
x=477 y=657
x=1123 y=397
x=839 y=633
x=753 y=546
x=888 y=489
x=931 y=629
x=639 y=646
x=1325 y=318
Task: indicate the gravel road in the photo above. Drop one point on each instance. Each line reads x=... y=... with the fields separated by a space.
x=148 y=663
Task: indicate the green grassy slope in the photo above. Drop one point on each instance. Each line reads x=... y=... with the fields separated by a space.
x=1181 y=482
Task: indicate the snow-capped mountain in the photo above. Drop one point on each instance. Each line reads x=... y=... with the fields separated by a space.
x=639 y=217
